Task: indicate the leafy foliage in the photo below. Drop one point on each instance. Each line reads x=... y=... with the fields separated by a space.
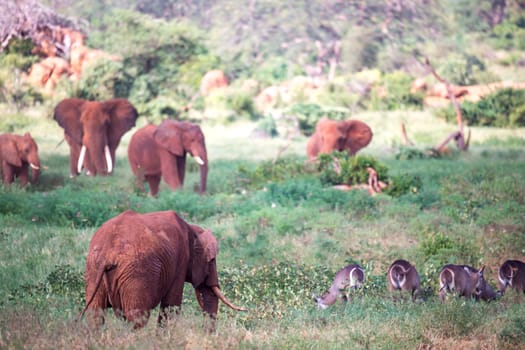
x=504 y=108
x=339 y=168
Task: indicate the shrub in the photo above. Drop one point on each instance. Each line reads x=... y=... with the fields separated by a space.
x=513 y=333
x=504 y=108
x=104 y=80
x=397 y=93
x=339 y=168
x=308 y=114
x=64 y=281
x=237 y=102
x=462 y=69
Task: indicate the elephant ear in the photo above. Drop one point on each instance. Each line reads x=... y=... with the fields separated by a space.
x=122 y=115
x=67 y=114
x=358 y=134
x=169 y=136
x=10 y=153
x=205 y=250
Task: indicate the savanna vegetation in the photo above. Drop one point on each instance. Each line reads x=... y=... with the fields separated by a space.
x=283 y=229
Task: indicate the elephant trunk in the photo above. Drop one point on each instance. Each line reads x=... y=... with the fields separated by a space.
x=204 y=178
x=35 y=172
x=107 y=157
x=34 y=164
x=199 y=155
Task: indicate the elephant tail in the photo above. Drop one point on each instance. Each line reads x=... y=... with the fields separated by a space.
x=100 y=276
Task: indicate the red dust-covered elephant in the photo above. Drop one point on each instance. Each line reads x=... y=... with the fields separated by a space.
x=160 y=151
x=136 y=261
x=17 y=154
x=332 y=135
x=93 y=131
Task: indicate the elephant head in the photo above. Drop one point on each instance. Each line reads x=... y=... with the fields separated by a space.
x=17 y=154
x=203 y=272
x=179 y=138
x=93 y=131
x=332 y=135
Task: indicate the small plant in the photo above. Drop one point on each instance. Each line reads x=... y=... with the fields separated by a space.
x=512 y=335
x=339 y=168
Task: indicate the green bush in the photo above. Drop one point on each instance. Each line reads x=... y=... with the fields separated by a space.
x=504 y=108
x=462 y=69
x=104 y=80
x=63 y=282
x=349 y=170
x=397 y=93
x=512 y=335
x=275 y=70
x=308 y=114
x=237 y=102
x=509 y=35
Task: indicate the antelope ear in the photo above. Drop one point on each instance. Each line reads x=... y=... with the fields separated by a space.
x=481 y=270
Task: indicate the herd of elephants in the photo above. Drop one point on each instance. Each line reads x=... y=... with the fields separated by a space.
x=138 y=261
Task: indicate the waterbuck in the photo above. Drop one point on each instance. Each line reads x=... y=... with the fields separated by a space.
x=512 y=273
x=484 y=291
x=465 y=280
x=349 y=277
x=403 y=276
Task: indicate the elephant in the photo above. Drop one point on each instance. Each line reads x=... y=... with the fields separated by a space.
x=160 y=151
x=93 y=131
x=17 y=154
x=333 y=135
x=136 y=261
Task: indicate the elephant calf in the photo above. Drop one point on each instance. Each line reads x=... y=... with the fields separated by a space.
x=136 y=261
x=17 y=154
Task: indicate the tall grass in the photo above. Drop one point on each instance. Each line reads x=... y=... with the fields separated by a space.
x=281 y=240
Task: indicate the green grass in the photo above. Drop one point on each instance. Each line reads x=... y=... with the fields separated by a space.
x=279 y=243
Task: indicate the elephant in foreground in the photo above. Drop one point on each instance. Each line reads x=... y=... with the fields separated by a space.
x=160 y=151
x=17 y=154
x=93 y=130
x=136 y=261
x=333 y=135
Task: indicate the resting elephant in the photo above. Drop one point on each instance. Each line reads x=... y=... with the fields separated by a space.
x=17 y=154
x=160 y=151
x=136 y=261
x=332 y=135
x=93 y=131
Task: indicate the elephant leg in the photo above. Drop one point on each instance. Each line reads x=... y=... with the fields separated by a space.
x=23 y=175
x=153 y=181
x=74 y=153
x=171 y=302
x=8 y=173
x=181 y=168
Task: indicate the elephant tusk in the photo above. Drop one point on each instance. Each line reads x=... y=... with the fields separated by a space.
x=108 y=159
x=199 y=160
x=34 y=166
x=199 y=299
x=81 y=159
x=218 y=293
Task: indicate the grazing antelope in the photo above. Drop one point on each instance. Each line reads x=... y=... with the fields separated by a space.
x=403 y=276
x=512 y=273
x=465 y=280
x=351 y=276
x=484 y=291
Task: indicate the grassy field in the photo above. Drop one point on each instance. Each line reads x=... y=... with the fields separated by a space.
x=280 y=242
